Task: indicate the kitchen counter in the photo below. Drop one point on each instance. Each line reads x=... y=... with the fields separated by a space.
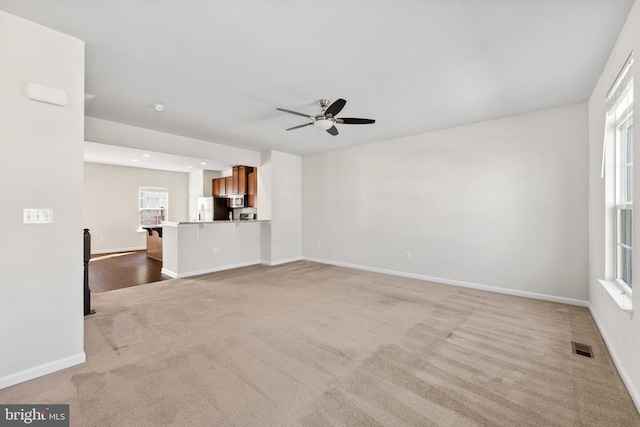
x=221 y=221
x=196 y=247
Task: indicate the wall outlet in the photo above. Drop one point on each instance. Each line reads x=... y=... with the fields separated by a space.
x=216 y=250
x=319 y=244
x=408 y=253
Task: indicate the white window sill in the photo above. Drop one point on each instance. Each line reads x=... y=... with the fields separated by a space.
x=620 y=296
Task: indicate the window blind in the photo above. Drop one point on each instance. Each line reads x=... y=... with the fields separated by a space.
x=618 y=101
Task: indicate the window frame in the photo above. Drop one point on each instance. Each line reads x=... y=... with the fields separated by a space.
x=624 y=199
x=162 y=208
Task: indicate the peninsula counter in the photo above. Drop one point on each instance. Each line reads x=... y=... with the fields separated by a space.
x=193 y=248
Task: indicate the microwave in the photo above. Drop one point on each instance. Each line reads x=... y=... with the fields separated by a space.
x=238 y=201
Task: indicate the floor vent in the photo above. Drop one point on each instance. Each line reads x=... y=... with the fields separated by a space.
x=582 y=349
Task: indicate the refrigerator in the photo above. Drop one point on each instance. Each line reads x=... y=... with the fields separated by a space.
x=212 y=208
x=205 y=208
x=221 y=208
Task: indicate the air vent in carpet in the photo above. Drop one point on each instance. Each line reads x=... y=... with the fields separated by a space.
x=582 y=349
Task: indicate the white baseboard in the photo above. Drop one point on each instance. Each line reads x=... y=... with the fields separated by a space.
x=116 y=250
x=282 y=261
x=470 y=285
x=635 y=394
x=175 y=275
x=38 y=371
x=169 y=273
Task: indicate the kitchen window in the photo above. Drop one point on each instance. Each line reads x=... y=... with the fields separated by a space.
x=153 y=206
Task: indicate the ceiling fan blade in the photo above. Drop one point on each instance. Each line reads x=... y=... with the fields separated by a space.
x=355 y=121
x=333 y=130
x=295 y=112
x=300 y=126
x=336 y=107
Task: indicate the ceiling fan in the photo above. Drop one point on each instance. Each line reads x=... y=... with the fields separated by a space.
x=327 y=119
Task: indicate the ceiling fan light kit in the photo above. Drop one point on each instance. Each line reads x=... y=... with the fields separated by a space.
x=323 y=124
x=327 y=119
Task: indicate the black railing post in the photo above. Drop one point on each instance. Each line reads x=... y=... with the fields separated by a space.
x=87 y=257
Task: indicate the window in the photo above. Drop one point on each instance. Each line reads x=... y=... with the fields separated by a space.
x=617 y=169
x=153 y=207
x=624 y=198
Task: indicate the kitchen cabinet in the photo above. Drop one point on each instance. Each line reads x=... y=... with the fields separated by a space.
x=228 y=185
x=234 y=180
x=239 y=179
x=242 y=179
x=252 y=189
x=219 y=187
x=237 y=183
x=215 y=190
x=154 y=243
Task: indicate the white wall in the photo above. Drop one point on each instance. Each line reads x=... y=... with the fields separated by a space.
x=620 y=330
x=207 y=182
x=200 y=185
x=41 y=150
x=111 y=203
x=201 y=181
x=196 y=190
x=196 y=180
x=501 y=204
x=264 y=205
x=286 y=207
x=279 y=200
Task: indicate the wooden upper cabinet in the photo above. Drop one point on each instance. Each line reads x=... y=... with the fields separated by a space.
x=229 y=185
x=242 y=179
x=239 y=179
x=252 y=189
x=237 y=183
x=215 y=190
x=234 y=180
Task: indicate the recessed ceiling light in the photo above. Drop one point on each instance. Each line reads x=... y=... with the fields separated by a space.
x=146 y=155
x=203 y=163
x=158 y=107
x=189 y=167
x=134 y=160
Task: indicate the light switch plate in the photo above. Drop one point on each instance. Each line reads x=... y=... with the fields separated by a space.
x=38 y=216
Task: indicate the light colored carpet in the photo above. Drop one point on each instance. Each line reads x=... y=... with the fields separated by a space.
x=316 y=345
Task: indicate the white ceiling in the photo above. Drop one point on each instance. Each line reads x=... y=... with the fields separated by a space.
x=222 y=67
x=122 y=156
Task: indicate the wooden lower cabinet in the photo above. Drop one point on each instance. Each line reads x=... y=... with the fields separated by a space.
x=154 y=243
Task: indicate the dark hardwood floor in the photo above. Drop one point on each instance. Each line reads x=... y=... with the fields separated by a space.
x=115 y=271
